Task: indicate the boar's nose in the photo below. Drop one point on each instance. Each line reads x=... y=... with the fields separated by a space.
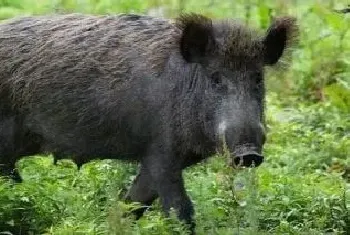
x=247 y=157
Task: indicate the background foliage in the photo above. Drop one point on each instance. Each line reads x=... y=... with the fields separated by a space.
x=304 y=186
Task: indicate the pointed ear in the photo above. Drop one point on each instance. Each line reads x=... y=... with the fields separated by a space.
x=197 y=36
x=280 y=35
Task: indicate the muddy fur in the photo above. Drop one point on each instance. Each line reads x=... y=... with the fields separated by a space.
x=135 y=88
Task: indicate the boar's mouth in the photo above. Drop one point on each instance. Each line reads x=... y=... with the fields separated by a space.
x=247 y=156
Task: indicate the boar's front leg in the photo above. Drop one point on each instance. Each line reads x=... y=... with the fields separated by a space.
x=142 y=190
x=166 y=172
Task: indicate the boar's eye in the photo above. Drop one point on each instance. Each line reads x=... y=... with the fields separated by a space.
x=258 y=77
x=217 y=82
x=216 y=78
x=258 y=80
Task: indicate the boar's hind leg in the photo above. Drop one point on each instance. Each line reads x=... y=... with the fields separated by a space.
x=167 y=177
x=8 y=170
x=8 y=165
x=8 y=156
x=142 y=190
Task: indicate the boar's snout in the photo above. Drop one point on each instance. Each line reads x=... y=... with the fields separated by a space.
x=249 y=160
x=247 y=157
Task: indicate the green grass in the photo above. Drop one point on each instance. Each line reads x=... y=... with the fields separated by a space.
x=302 y=188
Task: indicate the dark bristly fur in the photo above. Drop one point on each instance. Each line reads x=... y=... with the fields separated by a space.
x=135 y=88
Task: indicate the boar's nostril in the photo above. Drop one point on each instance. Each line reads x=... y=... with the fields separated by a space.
x=249 y=160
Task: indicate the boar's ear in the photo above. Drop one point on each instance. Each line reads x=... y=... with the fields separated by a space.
x=197 y=36
x=280 y=35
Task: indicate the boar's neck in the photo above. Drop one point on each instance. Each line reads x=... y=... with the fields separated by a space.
x=189 y=111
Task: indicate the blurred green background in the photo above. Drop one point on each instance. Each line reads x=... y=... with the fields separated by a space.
x=304 y=186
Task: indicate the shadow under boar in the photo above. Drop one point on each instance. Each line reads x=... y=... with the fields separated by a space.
x=138 y=88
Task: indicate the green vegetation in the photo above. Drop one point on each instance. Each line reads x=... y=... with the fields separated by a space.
x=302 y=188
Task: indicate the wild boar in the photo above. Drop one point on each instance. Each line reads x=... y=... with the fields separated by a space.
x=133 y=87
